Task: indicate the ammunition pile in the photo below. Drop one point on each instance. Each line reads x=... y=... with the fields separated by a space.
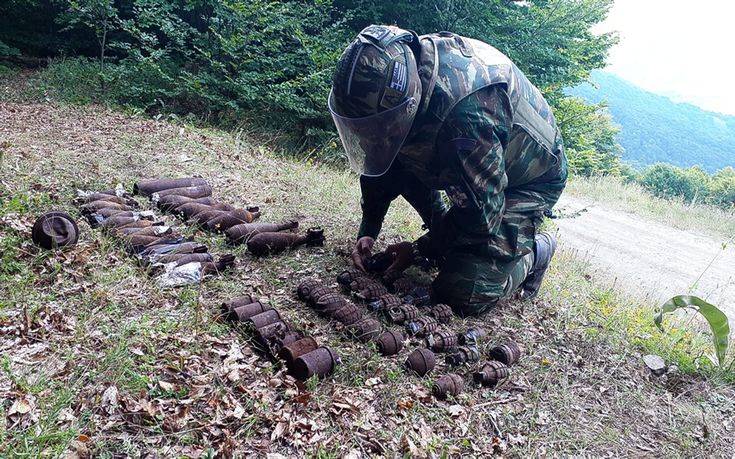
x=302 y=355
x=173 y=259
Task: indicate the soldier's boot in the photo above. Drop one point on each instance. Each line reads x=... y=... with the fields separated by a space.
x=543 y=249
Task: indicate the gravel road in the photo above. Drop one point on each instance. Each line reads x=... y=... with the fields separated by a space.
x=647 y=257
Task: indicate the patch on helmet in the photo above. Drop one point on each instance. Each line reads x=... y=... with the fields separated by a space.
x=375 y=32
x=399 y=79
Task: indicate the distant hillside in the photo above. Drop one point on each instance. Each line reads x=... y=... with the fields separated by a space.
x=656 y=129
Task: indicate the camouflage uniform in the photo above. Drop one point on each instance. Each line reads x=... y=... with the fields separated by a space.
x=486 y=136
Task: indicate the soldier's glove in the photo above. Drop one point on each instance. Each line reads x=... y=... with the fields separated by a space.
x=363 y=249
x=404 y=255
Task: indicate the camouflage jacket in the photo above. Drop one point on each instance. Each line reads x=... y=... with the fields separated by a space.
x=484 y=135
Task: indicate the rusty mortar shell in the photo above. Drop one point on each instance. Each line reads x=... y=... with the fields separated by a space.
x=491 y=374
x=119 y=220
x=346 y=277
x=442 y=313
x=472 y=337
x=390 y=342
x=96 y=206
x=320 y=362
x=441 y=341
x=275 y=243
x=330 y=303
x=292 y=351
x=110 y=198
x=421 y=361
x=246 y=312
x=372 y=292
x=265 y=318
x=422 y=326
x=508 y=353
x=199 y=191
x=227 y=220
x=231 y=305
x=191 y=209
x=275 y=330
x=167 y=249
x=201 y=218
x=403 y=313
x=364 y=330
x=55 y=229
x=449 y=384
x=107 y=213
x=149 y=186
x=463 y=354
x=347 y=315
x=224 y=262
x=384 y=302
x=303 y=290
x=239 y=234
x=276 y=343
x=172 y=202
x=183 y=258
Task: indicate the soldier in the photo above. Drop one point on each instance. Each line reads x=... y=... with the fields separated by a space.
x=417 y=115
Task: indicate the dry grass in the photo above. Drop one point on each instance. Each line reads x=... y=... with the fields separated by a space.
x=75 y=324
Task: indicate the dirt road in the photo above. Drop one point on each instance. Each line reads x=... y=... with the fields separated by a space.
x=648 y=257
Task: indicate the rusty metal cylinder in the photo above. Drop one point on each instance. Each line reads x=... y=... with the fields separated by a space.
x=231 y=305
x=276 y=343
x=291 y=352
x=421 y=361
x=119 y=220
x=274 y=243
x=239 y=234
x=265 y=318
x=201 y=218
x=450 y=384
x=272 y=331
x=508 y=353
x=364 y=330
x=172 y=202
x=329 y=304
x=199 y=191
x=191 y=209
x=441 y=341
x=183 y=258
x=110 y=198
x=246 y=312
x=492 y=374
x=96 y=206
x=390 y=342
x=227 y=220
x=150 y=186
x=348 y=314
x=403 y=313
x=442 y=313
x=320 y=362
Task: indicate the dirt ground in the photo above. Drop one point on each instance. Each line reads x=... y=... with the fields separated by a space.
x=96 y=360
x=646 y=257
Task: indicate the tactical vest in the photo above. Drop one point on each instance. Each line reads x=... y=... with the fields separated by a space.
x=453 y=67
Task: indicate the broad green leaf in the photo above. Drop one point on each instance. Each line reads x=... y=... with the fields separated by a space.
x=716 y=319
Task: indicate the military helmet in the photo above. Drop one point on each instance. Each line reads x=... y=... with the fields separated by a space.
x=375 y=96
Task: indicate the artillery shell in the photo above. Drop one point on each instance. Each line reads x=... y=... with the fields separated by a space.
x=319 y=362
x=508 y=353
x=245 y=312
x=265 y=318
x=291 y=352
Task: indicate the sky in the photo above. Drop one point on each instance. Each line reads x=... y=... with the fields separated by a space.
x=678 y=48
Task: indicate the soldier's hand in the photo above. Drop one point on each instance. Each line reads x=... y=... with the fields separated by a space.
x=363 y=249
x=403 y=257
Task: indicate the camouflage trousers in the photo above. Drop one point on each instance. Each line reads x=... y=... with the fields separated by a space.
x=473 y=283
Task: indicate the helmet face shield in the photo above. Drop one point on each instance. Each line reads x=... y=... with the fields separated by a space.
x=372 y=142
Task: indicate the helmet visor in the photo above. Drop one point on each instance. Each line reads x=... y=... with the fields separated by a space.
x=372 y=142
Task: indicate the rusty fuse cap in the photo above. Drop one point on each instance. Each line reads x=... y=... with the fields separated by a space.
x=346 y=277
x=347 y=315
x=265 y=318
x=451 y=384
x=508 y=353
x=390 y=342
x=463 y=354
x=304 y=289
x=422 y=326
x=55 y=229
x=403 y=313
x=441 y=341
x=364 y=330
x=291 y=352
x=244 y=313
x=384 y=302
x=442 y=313
x=330 y=303
x=421 y=361
x=492 y=373
x=472 y=337
x=319 y=362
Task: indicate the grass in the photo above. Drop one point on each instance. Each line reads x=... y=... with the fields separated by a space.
x=631 y=197
x=77 y=323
